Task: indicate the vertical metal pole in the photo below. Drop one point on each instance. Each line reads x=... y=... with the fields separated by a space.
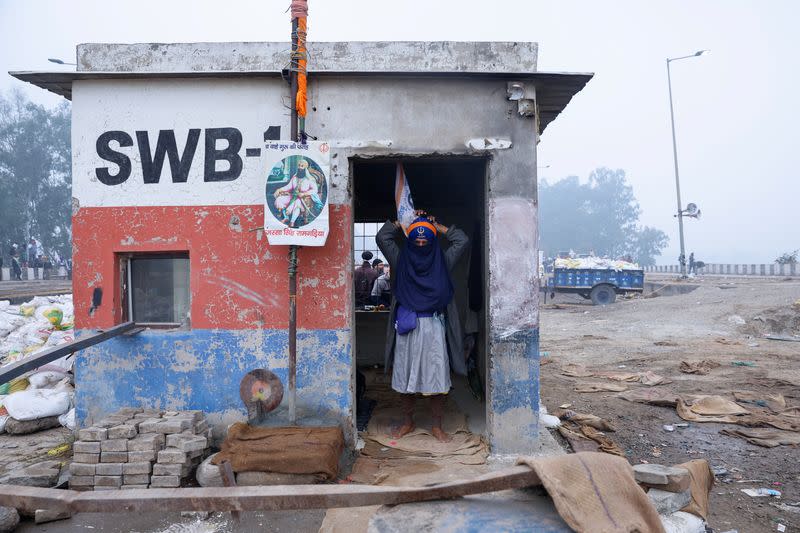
x=293 y=253
x=292 y=334
x=677 y=179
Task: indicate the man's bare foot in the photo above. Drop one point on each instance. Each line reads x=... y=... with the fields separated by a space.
x=404 y=430
x=440 y=435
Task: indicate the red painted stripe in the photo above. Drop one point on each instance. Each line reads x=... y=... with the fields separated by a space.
x=237 y=280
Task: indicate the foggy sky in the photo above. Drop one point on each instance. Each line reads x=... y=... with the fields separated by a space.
x=736 y=109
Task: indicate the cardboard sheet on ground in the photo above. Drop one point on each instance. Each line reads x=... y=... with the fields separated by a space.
x=596 y=492
x=767 y=437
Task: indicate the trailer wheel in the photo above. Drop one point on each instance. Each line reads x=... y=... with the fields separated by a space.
x=603 y=295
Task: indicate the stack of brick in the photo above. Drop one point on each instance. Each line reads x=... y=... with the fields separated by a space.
x=139 y=448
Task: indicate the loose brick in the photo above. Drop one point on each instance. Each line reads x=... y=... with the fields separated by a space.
x=93 y=434
x=149 y=413
x=149 y=425
x=109 y=469
x=146 y=442
x=129 y=487
x=85 y=446
x=134 y=422
x=172 y=455
x=655 y=474
x=186 y=443
x=200 y=427
x=114 y=457
x=89 y=458
x=124 y=431
x=81 y=469
x=173 y=425
x=139 y=457
x=165 y=481
x=114 y=445
x=669 y=502
x=110 y=422
x=136 y=479
x=196 y=454
x=81 y=481
x=195 y=415
x=164 y=469
x=137 y=468
x=108 y=481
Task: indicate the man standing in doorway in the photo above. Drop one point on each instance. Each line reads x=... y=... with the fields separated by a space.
x=424 y=339
x=363 y=280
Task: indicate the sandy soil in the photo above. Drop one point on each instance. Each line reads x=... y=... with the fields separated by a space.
x=723 y=320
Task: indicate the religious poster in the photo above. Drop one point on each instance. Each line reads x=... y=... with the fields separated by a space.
x=296 y=193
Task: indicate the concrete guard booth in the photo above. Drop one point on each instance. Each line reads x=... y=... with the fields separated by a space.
x=169 y=199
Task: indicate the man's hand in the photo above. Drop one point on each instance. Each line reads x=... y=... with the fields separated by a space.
x=441 y=228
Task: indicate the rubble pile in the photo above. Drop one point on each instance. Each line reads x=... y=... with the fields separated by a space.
x=42 y=398
x=595 y=262
x=139 y=448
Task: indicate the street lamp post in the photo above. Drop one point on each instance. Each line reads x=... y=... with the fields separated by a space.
x=675 y=157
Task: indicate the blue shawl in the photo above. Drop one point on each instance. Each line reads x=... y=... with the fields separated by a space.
x=422 y=283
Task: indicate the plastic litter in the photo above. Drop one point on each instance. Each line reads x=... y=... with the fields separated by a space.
x=762 y=492
x=68 y=419
x=743 y=363
x=37 y=403
x=549 y=421
x=668 y=427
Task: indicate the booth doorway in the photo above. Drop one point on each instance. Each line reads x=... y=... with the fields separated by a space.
x=454 y=190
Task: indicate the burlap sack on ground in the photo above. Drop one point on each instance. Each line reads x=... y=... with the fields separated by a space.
x=596 y=492
x=767 y=437
x=698 y=367
x=702 y=479
x=600 y=387
x=292 y=450
x=662 y=397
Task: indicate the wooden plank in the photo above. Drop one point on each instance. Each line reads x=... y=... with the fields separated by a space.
x=15 y=370
x=264 y=498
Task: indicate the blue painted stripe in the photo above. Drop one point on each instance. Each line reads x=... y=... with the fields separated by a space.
x=201 y=369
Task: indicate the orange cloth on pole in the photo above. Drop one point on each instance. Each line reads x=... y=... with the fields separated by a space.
x=302 y=95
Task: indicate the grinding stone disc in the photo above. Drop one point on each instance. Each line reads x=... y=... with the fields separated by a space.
x=261 y=391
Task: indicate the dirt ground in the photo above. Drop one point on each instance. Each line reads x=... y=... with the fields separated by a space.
x=723 y=320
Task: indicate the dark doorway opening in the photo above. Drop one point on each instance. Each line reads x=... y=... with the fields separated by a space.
x=454 y=190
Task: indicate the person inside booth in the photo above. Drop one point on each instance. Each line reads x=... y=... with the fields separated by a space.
x=424 y=338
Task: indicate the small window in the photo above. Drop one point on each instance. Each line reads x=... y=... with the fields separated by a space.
x=159 y=288
x=364 y=240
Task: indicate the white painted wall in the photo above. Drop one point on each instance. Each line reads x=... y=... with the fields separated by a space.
x=152 y=105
